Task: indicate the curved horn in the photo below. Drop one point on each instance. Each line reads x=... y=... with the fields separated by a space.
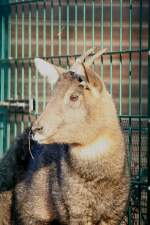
x=90 y=61
x=77 y=66
x=85 y=55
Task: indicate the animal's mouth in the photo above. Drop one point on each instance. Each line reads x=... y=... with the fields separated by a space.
x=43 y=137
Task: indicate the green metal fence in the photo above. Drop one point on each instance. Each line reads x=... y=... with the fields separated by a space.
x=59 y=31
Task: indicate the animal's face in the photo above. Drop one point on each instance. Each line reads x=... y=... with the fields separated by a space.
x=72 y=114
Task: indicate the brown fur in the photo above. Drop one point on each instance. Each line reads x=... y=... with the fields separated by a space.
x=5 y=207
x=94 y=181
x=85 y=181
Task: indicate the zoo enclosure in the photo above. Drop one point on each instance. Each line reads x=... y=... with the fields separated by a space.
x=59 y=31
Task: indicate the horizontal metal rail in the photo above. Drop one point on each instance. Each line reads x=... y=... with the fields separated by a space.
x=19 y=3
x=73 y=55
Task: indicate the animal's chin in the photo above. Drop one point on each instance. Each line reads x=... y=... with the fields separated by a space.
x=42 y=139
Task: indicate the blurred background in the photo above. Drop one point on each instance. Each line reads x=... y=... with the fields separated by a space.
x=59 y=31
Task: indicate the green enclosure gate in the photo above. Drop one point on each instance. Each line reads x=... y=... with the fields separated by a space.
x=59 y=31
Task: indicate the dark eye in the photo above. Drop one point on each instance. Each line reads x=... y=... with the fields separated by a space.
x=74 y=97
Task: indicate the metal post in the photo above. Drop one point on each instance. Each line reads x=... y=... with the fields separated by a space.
x=148 y=150
x=84 y=24
x=4 y=72
x=76 y=28
x=120 y=62
x=102 y=38
x=111 y=48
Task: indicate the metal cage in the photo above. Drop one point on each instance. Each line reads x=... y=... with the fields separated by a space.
x=60 y=31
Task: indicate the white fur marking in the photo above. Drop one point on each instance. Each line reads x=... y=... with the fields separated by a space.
x=39 y=138
x=94 y=150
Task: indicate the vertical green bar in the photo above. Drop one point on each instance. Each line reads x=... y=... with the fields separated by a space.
x=16 y=54
x=76 y=28
x=120 y=63
x=37 y=54
x=37 y=28
x=44 y=28
x=15 y=97
x=16 y=68
x=2 y=56
x=8 y=135
x=84 y=24
x=9 y=55
x=102 y=37
x=2 y=82
x=93 y=26
x=93 y=23
x=22 y=65
x=29 y=51
x=140 y=59
x=130 y=59
x=140 y=102
x=59 y=30
x=52 y=29
x=44 y=51
x=3 y=37
x=1 y=133
x=29 y=30
x=4 y=74
x=111 y=43
x=9 y=78
x=68 y=26
x=29 y=56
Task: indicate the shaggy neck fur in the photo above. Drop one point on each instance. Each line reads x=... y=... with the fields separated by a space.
x=91 y=161
x=92 y=151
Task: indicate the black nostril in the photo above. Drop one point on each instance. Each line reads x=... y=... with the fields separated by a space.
x=39 y=128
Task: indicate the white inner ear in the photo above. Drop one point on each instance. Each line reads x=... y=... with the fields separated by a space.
x=47 y=70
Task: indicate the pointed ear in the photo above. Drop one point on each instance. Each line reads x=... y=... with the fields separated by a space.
x=93 y=78
x=48 y=70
